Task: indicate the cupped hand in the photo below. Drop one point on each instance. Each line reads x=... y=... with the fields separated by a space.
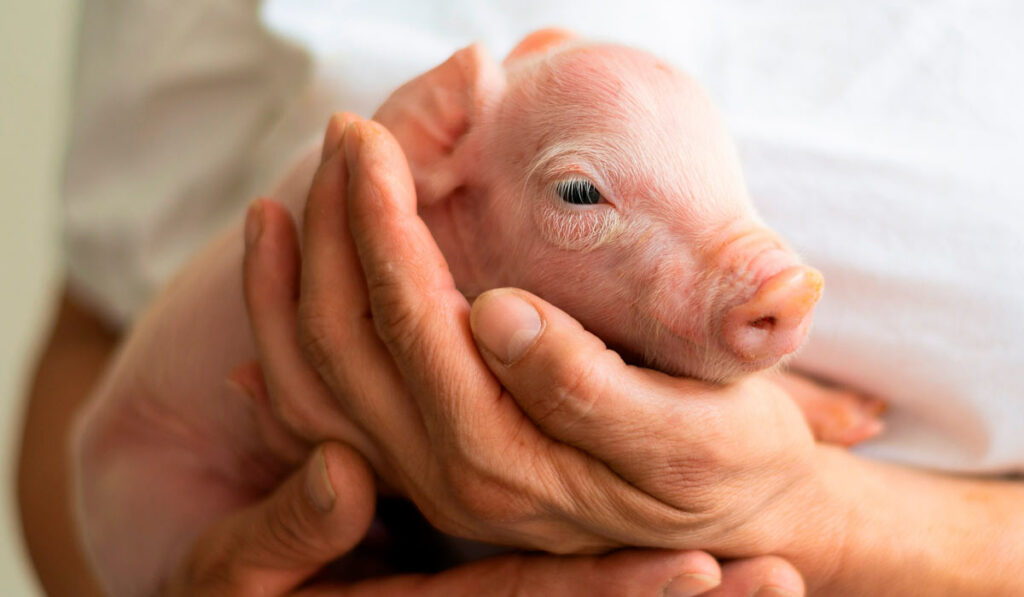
x=320 y=513
x=389 y=339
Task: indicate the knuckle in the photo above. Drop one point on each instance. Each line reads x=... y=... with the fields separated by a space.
x=397 y=312
x=481 y=498
x=578 y=385
x=320 y=336
x=477 y=499
x=387 y=285
x=287 y=530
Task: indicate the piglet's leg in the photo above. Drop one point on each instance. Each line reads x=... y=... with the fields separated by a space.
x=835 y=415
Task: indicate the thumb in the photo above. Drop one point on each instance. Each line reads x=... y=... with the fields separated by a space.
x=318 y=514
x=566 y=380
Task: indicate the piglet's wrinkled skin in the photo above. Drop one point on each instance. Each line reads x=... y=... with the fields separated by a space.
x=595 y=176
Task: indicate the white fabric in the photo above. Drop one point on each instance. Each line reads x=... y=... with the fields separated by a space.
x=884 y=140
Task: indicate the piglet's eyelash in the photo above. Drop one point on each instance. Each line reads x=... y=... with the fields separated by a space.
x=578 y=191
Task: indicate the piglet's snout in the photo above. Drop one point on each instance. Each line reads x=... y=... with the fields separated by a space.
x=774 y=322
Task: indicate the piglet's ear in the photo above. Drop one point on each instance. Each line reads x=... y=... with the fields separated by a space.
x=433 y=115
x=539 y=42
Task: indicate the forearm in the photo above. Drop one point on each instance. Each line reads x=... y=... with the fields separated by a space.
x=75 y=355
x=909 y=532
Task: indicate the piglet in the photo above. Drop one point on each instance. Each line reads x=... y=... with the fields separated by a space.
x=596 y=176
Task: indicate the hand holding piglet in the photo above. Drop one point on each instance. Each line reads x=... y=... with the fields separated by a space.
x=627 y=456
x=271 y=289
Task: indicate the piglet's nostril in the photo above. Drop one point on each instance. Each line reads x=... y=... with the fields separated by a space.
x=763 y=323
x=773 y=322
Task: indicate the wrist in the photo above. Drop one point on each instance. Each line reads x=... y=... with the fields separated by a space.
x=823 y=520
x=891 y=530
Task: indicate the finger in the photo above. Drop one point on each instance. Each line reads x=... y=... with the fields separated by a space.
x=336 y=334
x=417 y=310
x=271 y=285
x=335 y=131
x=653 y=573
x=580 y=392
x=765 y=576
x=331 y=280
x=315 y=516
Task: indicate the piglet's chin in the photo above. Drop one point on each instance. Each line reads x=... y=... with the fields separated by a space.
x=681 y=357
x=720 y=369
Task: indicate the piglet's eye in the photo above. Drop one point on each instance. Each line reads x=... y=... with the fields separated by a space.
x=578 y=192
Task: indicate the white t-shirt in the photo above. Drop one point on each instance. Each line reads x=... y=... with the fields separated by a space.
x=884 y=140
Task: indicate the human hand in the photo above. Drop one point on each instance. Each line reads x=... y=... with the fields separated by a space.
x=444 y=473
x=271 y=265
x=732 y=468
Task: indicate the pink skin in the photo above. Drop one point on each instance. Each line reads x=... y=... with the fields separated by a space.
x=671 y=266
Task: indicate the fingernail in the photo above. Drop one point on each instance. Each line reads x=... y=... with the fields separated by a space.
x=352 y=142
x=690 y=585
x=332 y=143
x=505 y=324
x=254 y=222
x=318 y=483
x=774 y=592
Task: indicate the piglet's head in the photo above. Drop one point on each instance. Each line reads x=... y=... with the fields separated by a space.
x=603 y=180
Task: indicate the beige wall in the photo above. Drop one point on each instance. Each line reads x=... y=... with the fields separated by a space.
x=36 y=45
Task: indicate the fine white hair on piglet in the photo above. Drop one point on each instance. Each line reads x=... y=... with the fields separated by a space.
x=565 y=225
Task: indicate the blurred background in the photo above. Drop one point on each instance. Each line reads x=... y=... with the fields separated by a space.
x=36 y=44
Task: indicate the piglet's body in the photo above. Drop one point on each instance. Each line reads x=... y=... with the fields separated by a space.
x=596 y=176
